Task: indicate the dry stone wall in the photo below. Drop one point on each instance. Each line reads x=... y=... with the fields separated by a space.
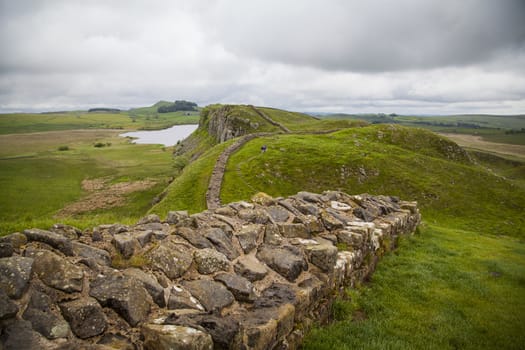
x=242 y=276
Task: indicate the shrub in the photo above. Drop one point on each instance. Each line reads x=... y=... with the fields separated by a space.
x=63 y=148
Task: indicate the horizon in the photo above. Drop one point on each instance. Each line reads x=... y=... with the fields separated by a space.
x=408 y=57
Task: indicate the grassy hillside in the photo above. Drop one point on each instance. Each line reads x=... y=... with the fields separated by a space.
x=451 y=286
x=458 y=284
x=410 y=163
x=37 y=180
x=493 y=128
x=145 y=118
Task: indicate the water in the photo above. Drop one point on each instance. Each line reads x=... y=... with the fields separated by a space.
x=166 y=137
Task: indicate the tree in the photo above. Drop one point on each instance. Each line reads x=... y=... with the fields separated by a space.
x=178 y=106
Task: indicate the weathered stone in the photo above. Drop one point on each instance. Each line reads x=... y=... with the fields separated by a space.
x=85 y=316
x=53 y=239
x=222 y=242
x=276 y=295
x=151 y=218
x=172 y=259
x=255 y=216
x=287 y=261
x=116 y=341
x=293 y=230
x=126 y=245
x=195 y=238
x=223 y=330
x=19 y=335
x=263 y=199
x=6 y=249
x=226 y=211
x=152 y=226
x=42 y=319
x=168 y=337
x=117 y=228
x=267 y=328
x=57 y=272
x=182 y=299
x=15 y=273
x=249 y=267
x=309 y=197
x=308 y=209
x=248 y=237
x=175 y=216
x=209 y=261
x=150 y=283
x=277 y=213
x=143 y=237
x=123 y=294
x=272 y=235
x=17 y=240
x=363 y=214
x=100 y=256
x=110 y=341
x=322 y=255
x=330 y=222
x=354 y=238
x=241 y=288
x=340 y=206
x=212 y=295
x=8 y=309
x=312 y=224
x=67 y=231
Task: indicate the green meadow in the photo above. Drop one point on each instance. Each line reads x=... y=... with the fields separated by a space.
x=458 y=283
x=46 y=159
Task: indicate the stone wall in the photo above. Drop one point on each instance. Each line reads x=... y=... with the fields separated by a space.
x=243 y=276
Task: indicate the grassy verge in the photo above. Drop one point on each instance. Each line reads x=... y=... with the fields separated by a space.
x=442 y=289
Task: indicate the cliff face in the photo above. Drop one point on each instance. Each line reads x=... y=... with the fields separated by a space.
x=224 y=125
x=245 y=275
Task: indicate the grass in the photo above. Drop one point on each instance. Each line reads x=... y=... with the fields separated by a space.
x=409 y=163
x=188 y=191
x=492 y=128
x=136 y=119
x=442 y=289
x=37 y=179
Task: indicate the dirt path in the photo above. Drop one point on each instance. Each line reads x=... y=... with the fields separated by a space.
x=213 y=199
x=472 y=141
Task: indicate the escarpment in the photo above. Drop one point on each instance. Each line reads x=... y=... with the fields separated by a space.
x=242 y=276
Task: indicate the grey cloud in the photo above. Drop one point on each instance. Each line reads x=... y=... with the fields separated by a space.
x=373 y=35
x=333 y=55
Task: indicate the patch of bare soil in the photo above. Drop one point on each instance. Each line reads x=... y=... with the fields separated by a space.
x=103 y=196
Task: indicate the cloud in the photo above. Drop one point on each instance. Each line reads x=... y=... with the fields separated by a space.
x=372 y=36
x=339 y=55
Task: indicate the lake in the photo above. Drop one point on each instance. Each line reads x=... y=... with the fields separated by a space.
x=166 y=137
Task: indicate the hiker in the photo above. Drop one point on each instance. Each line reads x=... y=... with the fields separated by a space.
x=263 y=148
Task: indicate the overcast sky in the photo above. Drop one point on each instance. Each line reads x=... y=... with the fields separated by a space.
x=403 y=56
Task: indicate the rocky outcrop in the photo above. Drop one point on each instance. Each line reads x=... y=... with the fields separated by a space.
x=223 y=124
x=242 y=276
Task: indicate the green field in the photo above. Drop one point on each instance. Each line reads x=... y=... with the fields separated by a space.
x=493 y=128
x=37 y=180
x=457 y=284
x=145 y=118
